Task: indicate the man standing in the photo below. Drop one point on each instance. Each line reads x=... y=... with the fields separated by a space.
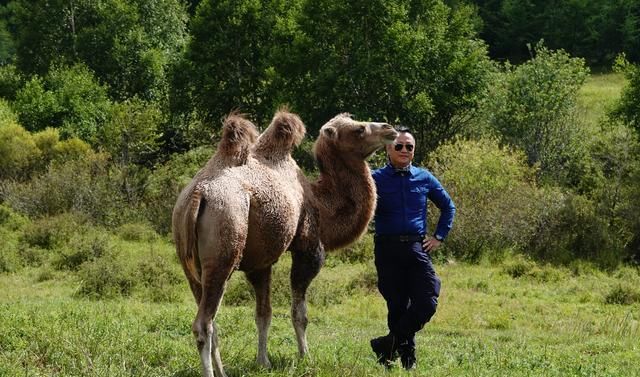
x=406 y=277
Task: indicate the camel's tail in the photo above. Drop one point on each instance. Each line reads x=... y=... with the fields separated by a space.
x=185 y=234
x=238 y=136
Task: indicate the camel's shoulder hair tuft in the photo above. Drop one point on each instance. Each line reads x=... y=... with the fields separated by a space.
x=238 y=136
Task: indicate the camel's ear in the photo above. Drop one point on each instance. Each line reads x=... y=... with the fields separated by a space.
x=330 y=132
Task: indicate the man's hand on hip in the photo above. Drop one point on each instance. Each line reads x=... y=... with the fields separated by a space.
x=430 y=244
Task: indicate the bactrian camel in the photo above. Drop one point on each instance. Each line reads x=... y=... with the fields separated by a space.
x=251 y=202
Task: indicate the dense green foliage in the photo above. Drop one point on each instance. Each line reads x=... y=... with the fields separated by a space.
x=102 y=121
x=411 y=62
x=533 y=107
x=594 y=30
x=129 y=44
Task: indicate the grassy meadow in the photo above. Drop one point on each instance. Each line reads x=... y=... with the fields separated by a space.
x=127 y=311
x=516 y=319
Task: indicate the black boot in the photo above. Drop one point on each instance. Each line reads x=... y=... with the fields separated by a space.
x=385 y=348
x=407 y=356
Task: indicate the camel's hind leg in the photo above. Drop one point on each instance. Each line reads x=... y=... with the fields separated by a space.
x=305 y=266
x=221 y=240
x=261 y=282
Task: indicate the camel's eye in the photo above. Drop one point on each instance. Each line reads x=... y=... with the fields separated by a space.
x=360 y=130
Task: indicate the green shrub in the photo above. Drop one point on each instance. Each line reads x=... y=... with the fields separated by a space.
x=365 y=281
x=131 y=132
x=10 y=259
x=574 y=230
x=86 y=186
x=18 y=152
x=161 y=277
x=82 y=247
x=496 y=199
x=623 y=295
x=533 y=106
x=518 y=267
x=11 y=220
x=70 y=150
x=52 y=232
x=627 y=108
x=360 y=251
x=109 y=276
x=136 y=232
x=11 y=80
x=7 y=116
x=166 y=182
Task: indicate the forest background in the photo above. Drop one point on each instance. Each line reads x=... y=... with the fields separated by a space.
x=108 y=107
x=527 y=110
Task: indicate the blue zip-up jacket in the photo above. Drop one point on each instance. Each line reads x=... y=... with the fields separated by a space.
x=402 y=202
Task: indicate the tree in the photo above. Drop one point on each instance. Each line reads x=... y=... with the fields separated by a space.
x=68 y=98
x=129 y=44
x=131 y=132
x=628 y=108
x=228 y=62
x=411 y=62
x=533 y=107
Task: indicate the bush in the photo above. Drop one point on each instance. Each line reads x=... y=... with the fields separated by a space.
x=571 y=230
x=18 y=152
x=67 y=98
x=109 y=276
x=627 y=108
x=10 y=260
x=136 y=232
x=166 y=182
x=360 y=251
x=518 y=267
x=7 y=115
x=52 y=232
x=623 y=295
x=533 y=106
x=495 y=195
x=160 y=277
x=11 y=220
x=84 y=246
x=11 y=80
x=85 y=186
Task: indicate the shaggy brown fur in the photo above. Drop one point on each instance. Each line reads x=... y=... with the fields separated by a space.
x=243 y=210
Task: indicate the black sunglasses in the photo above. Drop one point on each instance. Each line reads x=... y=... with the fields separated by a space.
x=398 y=147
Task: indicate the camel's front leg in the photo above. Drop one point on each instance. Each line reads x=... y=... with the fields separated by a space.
x=261 y=282
x=305 y=266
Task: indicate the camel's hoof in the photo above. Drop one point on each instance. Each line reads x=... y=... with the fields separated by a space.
x=265 y=363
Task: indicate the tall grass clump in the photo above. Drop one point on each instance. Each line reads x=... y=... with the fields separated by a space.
x=623 y=295
x=136 y=232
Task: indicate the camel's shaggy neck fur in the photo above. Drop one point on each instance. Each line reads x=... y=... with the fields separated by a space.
x=345 y=195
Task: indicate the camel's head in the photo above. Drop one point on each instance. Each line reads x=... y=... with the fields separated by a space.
x=354 y=138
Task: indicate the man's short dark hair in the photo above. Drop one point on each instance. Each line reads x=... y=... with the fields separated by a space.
x=403 y=129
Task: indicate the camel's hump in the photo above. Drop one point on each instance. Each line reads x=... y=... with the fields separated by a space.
x=238 y=136
x=285 y=132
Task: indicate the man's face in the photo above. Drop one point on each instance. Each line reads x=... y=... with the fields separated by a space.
x=402 y=157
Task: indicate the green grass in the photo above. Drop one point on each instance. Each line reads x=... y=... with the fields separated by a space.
x=547 y=322
x=513 y=319
x=597 y=95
